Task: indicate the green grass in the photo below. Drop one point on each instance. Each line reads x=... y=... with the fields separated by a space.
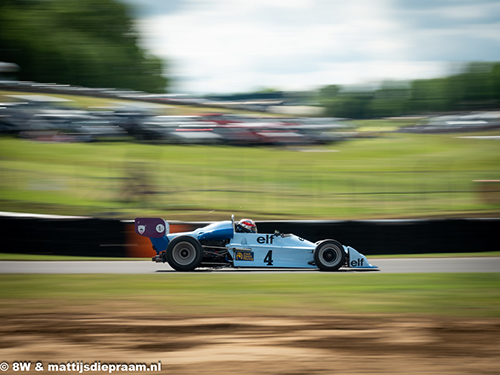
x=395 y=176
x=470 y=294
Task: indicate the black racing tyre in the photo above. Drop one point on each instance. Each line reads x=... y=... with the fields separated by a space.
x=184 y=253
x=329 y=255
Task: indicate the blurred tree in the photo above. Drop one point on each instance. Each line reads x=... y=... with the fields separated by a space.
x=264 y=90
x=429 y=95
x=338 y=103
x=351 y=105
x=329 y=92
x=495 y=84
x=89 y=43
x=390 y=100
x=328 y=97
x=476 y=88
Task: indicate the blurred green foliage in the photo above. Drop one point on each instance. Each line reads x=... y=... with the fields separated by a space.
x=477 y=88
x=90 y=43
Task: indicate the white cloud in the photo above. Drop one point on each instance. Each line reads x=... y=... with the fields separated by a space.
x=234 y=46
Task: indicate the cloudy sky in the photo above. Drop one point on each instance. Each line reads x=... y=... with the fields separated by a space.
x=229 y=46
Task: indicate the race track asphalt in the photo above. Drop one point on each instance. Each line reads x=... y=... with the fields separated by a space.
x=406 y=265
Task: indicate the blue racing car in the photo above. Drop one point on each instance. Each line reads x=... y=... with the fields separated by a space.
x=239 y=245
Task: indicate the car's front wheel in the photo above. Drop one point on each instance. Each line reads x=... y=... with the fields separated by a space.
x=184 y=253
x=329 y=255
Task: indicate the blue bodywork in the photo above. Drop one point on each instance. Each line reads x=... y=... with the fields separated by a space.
x=219 y=231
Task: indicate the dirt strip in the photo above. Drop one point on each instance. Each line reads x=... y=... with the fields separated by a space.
x=254 y=344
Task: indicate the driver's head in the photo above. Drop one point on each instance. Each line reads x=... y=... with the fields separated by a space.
x=248 y=225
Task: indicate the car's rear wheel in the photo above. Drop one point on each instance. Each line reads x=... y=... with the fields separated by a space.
x=329 y=255
x=184 y=253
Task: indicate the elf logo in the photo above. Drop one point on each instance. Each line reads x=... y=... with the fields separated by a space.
x=357 y=262
x=267 y=239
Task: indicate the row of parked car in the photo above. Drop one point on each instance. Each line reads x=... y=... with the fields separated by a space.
x=40 y=121
x=55 y=88
x=471 y=122
x=243 y=130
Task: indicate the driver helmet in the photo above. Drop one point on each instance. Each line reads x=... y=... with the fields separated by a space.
x=248 y=225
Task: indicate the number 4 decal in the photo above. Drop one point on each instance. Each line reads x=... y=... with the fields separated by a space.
x=269 y=258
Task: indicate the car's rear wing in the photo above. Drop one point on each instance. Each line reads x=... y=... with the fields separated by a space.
x=151 y=227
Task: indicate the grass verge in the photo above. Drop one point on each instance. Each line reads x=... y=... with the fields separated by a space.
x=395 y=176
x=458 y=295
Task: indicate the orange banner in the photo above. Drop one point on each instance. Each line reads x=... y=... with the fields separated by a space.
x=140 y=247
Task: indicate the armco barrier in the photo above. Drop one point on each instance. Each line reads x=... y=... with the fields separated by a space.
x=380 y=237
x=75 y=236
x=114 y=238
